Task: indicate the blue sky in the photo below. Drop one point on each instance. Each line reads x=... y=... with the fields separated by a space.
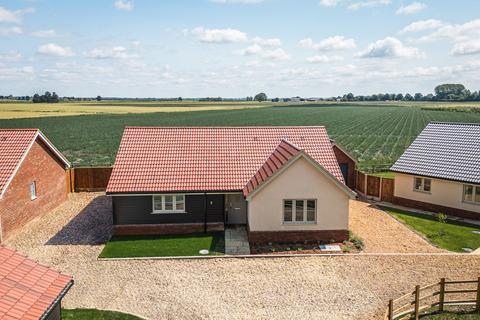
x=235 y=48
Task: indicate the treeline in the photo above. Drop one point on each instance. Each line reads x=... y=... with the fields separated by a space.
x=443 y=92
x=47 y=97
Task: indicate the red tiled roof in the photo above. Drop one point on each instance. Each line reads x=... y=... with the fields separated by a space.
x=14 y=144
x=27 y=289
x=156 y=159
x=281 y=155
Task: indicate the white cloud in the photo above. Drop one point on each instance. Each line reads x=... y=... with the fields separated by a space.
x=117 y=52
x=422 y=25
x=324 y=59
x=466 y=48
x=4 y=32
x=44 y=34
x=273 y=42
x=237 y=1
x=329 y=3
x=368 y=4
x=124 y=5
x=14 y=16
x=52 y=49
x=390 y=48
x=468 y=31
x=329 y=44
x=412 y=8
x=10 y=56
x=16 y=73
x=266 y=53
x=219 y=35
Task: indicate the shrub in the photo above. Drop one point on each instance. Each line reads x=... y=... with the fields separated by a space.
x=357 y=241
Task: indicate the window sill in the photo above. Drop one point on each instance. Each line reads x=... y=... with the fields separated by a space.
x=33 y=199
x=168 y=212
x=421 y=191
x=471 y=202
x=298 y=223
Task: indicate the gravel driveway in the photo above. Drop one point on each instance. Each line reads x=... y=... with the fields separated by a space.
x=346 y=287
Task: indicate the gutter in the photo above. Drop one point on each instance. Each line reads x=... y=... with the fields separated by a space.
x=57 y=300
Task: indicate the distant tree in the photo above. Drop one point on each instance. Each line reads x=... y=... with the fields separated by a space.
x=36 y=98
x=45 y=98
x=408 y=97
x=276 y=99
x=449 y=91
x=179 y=99
x=418 y=96
x=99 y=98
x=399 y=97
x=54 y=98
x=261 y=97
x=350 y=96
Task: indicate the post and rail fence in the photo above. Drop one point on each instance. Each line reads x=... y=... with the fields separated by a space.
x=435 y=295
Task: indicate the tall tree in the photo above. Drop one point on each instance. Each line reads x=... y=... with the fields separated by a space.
x=261 y=97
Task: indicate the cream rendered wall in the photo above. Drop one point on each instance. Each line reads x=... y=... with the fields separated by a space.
x=301 y=180
x=444 y=193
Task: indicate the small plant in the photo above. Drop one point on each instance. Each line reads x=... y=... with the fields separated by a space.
x=346 y=249
x=357 y=242
x=442 y=217
x=332 y=241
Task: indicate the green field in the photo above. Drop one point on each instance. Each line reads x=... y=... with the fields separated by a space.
x=374 y=133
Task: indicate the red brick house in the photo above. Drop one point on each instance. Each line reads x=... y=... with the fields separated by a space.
x=347 y=164
x=29 y=290
x=32 y=178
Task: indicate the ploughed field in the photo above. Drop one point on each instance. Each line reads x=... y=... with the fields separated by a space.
x=374 y=133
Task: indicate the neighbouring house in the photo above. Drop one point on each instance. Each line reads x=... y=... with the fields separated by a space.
x=347 y=163
x=29 y=290
x=32 y=178
x=440 y=171
x=283 y=183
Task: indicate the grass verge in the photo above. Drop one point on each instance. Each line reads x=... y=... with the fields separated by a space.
x=164 y=246
x=88 y=314
x=458 y=313
x=448 y=235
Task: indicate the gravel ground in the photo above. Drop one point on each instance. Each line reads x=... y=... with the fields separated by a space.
x=382 y=233
x=342 y=287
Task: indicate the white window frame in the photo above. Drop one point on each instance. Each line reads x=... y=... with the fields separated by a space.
x=476 y=188
x=174 y=203
x=422 y=185
x=33 y=190
x=294 y=208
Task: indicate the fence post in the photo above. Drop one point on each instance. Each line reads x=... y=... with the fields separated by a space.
x=390 y=309
x=442 y=295
x=478 y=295
x=417 y=302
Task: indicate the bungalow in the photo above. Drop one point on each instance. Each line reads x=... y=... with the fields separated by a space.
x=32 y=178
x=440 y=171
x=29 y=290
x=283 y=183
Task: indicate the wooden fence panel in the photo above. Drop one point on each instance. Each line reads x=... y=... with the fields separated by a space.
x=388 y=186
x=90 y=179
x=360 y=182
x=373 y=186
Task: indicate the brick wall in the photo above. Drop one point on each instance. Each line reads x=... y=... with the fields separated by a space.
x=344 y=158
x=167 y=228
x=436 y=208
x=16 y=206
x=264 y=237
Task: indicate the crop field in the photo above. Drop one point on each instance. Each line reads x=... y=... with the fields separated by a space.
x=375 y=134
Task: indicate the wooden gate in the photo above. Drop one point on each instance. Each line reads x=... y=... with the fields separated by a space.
x=373 y=186
x=89 y=179
x=388 y=186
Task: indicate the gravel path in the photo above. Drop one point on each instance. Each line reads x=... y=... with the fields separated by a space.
x=383 y=233
x=345 y=287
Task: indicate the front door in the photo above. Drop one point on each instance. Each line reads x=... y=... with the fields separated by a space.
x=236 y=209
x=344 y=168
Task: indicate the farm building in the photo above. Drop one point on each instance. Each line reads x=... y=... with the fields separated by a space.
x=32 y=177
x=283 y=184
x=347 y=163
x=29 y=290
x=440 y=171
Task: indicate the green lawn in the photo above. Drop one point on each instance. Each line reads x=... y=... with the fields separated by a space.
x=164 y=246
x=386 y=174
x=90 y=314
x=459 y=314
x=452 y=236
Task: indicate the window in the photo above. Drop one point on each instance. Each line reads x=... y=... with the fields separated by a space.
x=33 y=190
x=169 y=203
x=299 y=211
x=422 y=184
x=471 y=193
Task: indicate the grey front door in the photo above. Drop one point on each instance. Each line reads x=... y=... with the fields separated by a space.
x=236 y=209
